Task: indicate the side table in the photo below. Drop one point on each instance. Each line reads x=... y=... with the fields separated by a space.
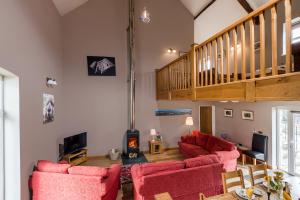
x=155 y=147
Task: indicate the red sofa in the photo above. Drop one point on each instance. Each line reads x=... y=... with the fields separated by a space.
x=202 y=144
x=183 y=180
x=53 y=181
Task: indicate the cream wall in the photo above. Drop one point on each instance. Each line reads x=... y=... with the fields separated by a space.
x=31 y=48
x=98 y=105
x=218 y=16
x=241 y=130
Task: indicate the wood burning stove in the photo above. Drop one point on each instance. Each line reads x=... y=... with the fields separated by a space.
x=132 y=143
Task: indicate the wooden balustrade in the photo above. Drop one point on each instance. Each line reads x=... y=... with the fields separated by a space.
x=212 y=69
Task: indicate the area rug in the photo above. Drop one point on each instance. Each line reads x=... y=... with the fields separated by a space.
x=126 y=179
x=130 y=161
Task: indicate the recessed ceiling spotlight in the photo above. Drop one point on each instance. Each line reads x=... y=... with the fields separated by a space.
x=171 y=50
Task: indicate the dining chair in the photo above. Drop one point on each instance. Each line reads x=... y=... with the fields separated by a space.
x=163 y=196
x=259 y=150
x=257 y=173
x=202 y=196
x=232 y=180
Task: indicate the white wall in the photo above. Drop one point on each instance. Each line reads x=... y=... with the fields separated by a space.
x=218 y=16
x=99 y=105
x=31 y=48
x=241 y=130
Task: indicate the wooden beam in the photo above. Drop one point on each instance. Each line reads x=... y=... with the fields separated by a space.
x=262 y=34
x=227 y=57
x=216 y=61
x=243 y=49
x=288 y=35
x=210 y=64
x=193 y=69
x=221 y=59
x=274 y=40
x=252 y=49
x=246 y=5
x=207 y=6
x=235 y=54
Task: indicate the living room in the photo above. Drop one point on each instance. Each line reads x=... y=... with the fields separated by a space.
x=44 y=53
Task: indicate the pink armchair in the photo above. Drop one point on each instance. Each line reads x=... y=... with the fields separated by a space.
x=63 y=182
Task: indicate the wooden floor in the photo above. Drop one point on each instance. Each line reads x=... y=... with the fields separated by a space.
x=174 y=154
x=103 y=161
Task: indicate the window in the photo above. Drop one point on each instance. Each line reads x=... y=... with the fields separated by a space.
x=1 y=140
x=295 y=34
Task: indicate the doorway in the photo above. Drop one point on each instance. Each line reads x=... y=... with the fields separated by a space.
x=207 y=119
x=288 y=141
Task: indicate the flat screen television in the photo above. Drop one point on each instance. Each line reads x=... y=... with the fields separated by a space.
x=75 y=143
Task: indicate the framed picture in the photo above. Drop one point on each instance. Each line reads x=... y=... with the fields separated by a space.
x=48 y=108
x=228 y=113
x=247 y=115
x=172 y=112
x=101 y=66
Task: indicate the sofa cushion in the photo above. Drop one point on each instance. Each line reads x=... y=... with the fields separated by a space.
x=88 y=171
x=48 y=166
x=190 y=139
x=201 y=139
x=201 y=161
x=153 y=168
x=193 y=150
x=218 y=144
x=196 y=132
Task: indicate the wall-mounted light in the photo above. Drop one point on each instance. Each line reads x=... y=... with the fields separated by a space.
x=171 y=50
x=145 y=16
x=224 y=101
x=51 y=82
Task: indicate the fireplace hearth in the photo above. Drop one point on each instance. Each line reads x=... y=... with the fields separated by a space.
x=132 y=144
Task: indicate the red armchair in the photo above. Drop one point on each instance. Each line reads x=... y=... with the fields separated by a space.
x=63 y=182
x=202 y=144
x=183 y=180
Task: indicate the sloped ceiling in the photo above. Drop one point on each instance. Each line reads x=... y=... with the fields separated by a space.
x=66 y=6
x=195 y=6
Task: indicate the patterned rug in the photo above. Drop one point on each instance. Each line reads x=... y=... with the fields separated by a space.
x=131 y=161
x=126 y=179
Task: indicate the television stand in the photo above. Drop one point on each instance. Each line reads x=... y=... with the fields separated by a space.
x=77 y=157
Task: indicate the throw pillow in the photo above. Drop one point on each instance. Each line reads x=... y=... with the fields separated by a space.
x=152 y=168
x=48 y=166
x=201 y=161
x=88 y=171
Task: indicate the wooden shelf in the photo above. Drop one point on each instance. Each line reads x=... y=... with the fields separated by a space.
x=77 y=158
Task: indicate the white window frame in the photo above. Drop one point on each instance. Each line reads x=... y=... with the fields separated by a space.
x=2 y=158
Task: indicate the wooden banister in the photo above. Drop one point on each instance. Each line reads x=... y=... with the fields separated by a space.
x=224 y=59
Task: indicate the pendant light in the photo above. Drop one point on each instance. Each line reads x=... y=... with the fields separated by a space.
x=145 y=16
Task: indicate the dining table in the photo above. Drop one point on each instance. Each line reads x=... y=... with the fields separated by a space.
x=233 y=196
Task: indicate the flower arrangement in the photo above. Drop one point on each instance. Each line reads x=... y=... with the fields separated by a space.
x=275 y=182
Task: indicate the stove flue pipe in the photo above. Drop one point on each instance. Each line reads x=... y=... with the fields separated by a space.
x=131 y=62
